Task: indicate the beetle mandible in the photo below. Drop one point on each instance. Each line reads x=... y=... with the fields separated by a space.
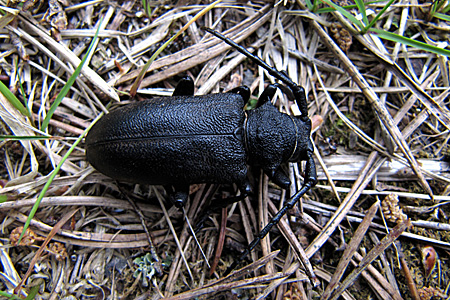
x=185 y=139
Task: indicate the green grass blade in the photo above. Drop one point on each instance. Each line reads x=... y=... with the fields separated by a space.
x=309 y=5
x=437 y=5
x=362 y=9
x=13 y=99
x=443 y=17
x=3 y=198
x=9 y=296
x=407 y=41
x=345 y=13
x=33 y=292
x=69 y=83
x=378 y=16
x=52 y=176
x=147 y=8
x=347 y=7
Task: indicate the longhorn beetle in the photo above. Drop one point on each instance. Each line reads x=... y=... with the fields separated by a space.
x=185 y=139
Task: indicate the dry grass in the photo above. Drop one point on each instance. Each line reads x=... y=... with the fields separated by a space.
x=379 y=111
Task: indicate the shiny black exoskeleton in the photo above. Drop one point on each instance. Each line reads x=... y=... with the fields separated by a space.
x=184 y=139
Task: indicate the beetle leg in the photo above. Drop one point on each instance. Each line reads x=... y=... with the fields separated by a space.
x=300 y=99
x=185 y=87
x=310 y=168
x=310 y=181
x=244 y=188
x=267 y=94
x=178 y=194
x=244 y=91
x=280 y=178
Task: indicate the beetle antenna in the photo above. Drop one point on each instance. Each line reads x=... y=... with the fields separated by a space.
x=299 y=92
x=272 y=71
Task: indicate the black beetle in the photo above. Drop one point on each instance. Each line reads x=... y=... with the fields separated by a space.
x=184 y=139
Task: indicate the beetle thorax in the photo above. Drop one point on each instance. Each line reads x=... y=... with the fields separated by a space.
x=270 y=136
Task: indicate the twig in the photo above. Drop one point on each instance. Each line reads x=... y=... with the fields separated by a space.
x=349 y=251
x=385 y=242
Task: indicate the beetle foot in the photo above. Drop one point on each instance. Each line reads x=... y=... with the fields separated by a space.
x=178 y=195
x=310 y=170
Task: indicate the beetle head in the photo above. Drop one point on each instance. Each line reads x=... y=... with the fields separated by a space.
x=273 y=138
x=303 y=143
